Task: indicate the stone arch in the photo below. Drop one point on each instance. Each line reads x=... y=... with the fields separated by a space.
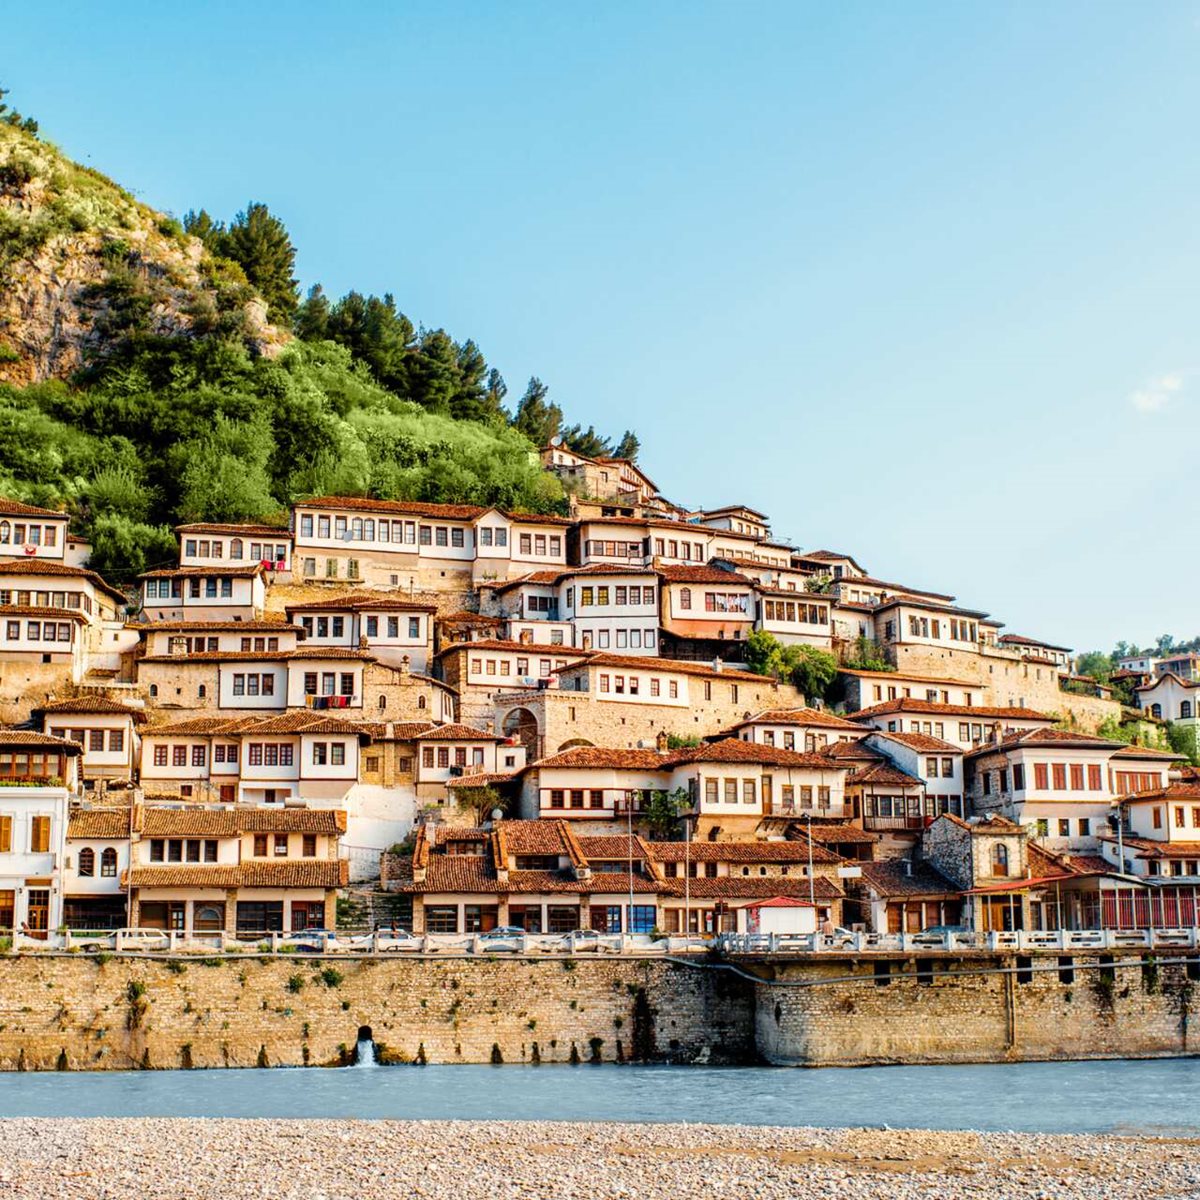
x=572 y=743
x=522 y=724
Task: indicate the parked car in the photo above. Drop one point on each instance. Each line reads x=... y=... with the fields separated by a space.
x=391 y=941
x=315 y=941
x=508 y=939
x=937 y=935
x=131 y=939
x=839 y=939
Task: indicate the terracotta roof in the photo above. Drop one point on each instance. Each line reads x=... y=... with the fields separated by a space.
x=740 y=852
x=463 y=617
x=295 y=873
x=601 y=756
x=533 y=837
x=305 y=722
x=16 y=508
x=482 y=779
x=1146 y=752
x=918 y=741
x=275 y=531
x=889 y=878
x=817 y=717
x=100 y=823
x=1187 y=790
x=871 y=581
x=903 y=676
x=735 y=750
x=457 y=733
x=326 y=654
x=57 y=570
x=1148 y=848
x=826 y=556
x=201 y=727
x=909 y=704
x=837 y=833
x=372 y=601
x=523 y=648
x=24 y=739
x=43 y=610
x=670 y=665
x=1017 y=639
x=263 y=625
x=411 y=508
x=613 y=846
x=219 y=572
x=704 y=574
x=882 y=773
x=91 y=704
x=850 y=752
x=231 y=822
x=1047 y=737
x=751 y=887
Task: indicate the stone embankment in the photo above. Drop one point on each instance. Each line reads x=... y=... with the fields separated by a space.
x=347 y=1160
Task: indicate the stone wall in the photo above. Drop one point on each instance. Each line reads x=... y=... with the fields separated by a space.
x=24 y=685
x=76 y=1013
x=79 y=1013
x=920 y=1013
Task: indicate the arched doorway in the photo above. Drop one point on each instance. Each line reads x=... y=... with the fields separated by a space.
x=522 y=724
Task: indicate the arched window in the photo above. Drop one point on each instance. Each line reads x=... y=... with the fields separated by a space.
x=1185 y=710
x=999 y=859
x=685 y=597
x=422 y=702
x=208 y=919
x=108 y=862
x=1156 y=711
x=235 y=548
x=153 y=690
x=5 y=531
x=87 y=861
x=202 y=691
x=382 y=703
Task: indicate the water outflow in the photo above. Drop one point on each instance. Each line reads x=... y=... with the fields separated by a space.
x=364 y=1050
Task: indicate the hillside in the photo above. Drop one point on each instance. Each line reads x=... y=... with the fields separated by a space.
x=83 y=266
x=142 y=384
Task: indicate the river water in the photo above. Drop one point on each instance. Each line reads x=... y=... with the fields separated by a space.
x=1156 y=1096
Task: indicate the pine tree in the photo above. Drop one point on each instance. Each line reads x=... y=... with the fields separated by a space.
x=585 y=441
x=628 y=447
x=260 y=245
x=312 y=317
x=535 y=418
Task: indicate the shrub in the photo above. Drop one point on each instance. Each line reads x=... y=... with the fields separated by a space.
x=295 y=983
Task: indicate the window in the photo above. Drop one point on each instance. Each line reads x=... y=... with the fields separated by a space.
x=179 y=756
x=1077 y=777
x=281 y=845
x=685 y=597
x=39 y=835
x=1094 y=777
x=108 y=862
x=320 y=754
x=96 y=739
x=1040 y=776
x=999 y=859
x=260 y=845
x=160 y=756
x=87 y=862
x=1058 y=773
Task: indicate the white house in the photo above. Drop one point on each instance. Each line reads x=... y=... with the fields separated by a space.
x=105 y=730
x=217 y=545
x=28 y=532
x=392 y=627
x=204 y=593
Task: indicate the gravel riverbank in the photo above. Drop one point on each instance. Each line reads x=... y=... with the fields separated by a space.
x=153 y=1159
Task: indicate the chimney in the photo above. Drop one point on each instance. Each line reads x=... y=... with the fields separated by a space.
x=403 y=668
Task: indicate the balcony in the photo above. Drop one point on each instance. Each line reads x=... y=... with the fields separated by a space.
x=903 y=823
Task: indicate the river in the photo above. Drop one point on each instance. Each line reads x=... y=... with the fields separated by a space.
x=1155 y=1096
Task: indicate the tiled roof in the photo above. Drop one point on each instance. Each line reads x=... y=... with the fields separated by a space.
x=42 y=610
x=674 y=666
x=201 y=727
x=100 y=823
x=468 y=618
x=882 y=773
x=1145 y=752
x=529 y=649
x=217 y=572
x=817 y=717
x=533 y=837
x=613 y=846
x=704 y=574
x=410 y=508
x=740 y=852
x=91 y=704
x=850 y=752
x=265 y=625
x=15 y=508
x=755 y=887
x=231 y=822
x=838 y=833
x=735 y=750
x=1047 y=737
x=457 y=733
x=275 y=531
x=890 y=878
x=1016 y=639
x=1187 y=790
x=57 y=570
x=919 y=741
x=372 y=601
x=601 y=756
x=328 y=654
x=25 y=739
x=909 y=704
x=1148 y=848
x=295 y=873
x=305 y=722
x=870 y=581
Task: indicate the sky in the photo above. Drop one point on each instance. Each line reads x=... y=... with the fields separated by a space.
x=918 y=280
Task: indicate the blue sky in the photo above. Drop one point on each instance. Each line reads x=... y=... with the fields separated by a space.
x=918 y=280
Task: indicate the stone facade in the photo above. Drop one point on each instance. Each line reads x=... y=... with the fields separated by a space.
x=289 y=1011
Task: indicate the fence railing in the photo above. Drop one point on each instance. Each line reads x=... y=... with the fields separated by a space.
x=1063 y=941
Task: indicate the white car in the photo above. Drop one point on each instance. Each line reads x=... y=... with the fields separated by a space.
x=131 y=939
x=389 y=942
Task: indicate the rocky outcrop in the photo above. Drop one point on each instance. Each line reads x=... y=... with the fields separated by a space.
x=83 y=265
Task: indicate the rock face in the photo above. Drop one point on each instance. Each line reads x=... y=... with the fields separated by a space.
x=83 y=265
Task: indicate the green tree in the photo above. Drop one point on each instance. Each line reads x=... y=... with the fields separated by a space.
x=1095 y=663
x=585 y=441
x=663 y=810
x=259 y=243
x=867 y=655
x=312 y=317
x=1182 y=740
x=480 y=802
x=628 y=447
x=538 y=419
x=10 y=116
x=812 y=670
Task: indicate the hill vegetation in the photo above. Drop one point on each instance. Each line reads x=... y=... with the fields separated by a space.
x=154 y=371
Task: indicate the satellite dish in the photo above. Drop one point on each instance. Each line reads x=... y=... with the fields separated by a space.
x=497 y=813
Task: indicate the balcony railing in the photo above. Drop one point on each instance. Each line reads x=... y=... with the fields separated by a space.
x=906 y=823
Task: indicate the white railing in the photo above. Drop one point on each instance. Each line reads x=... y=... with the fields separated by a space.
x=998 y=940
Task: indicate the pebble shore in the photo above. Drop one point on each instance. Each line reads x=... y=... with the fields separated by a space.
x=153 y=1159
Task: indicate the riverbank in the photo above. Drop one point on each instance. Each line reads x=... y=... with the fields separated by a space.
x=457 y=1160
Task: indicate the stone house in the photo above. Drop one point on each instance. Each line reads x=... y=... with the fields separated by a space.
x=988 y=861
